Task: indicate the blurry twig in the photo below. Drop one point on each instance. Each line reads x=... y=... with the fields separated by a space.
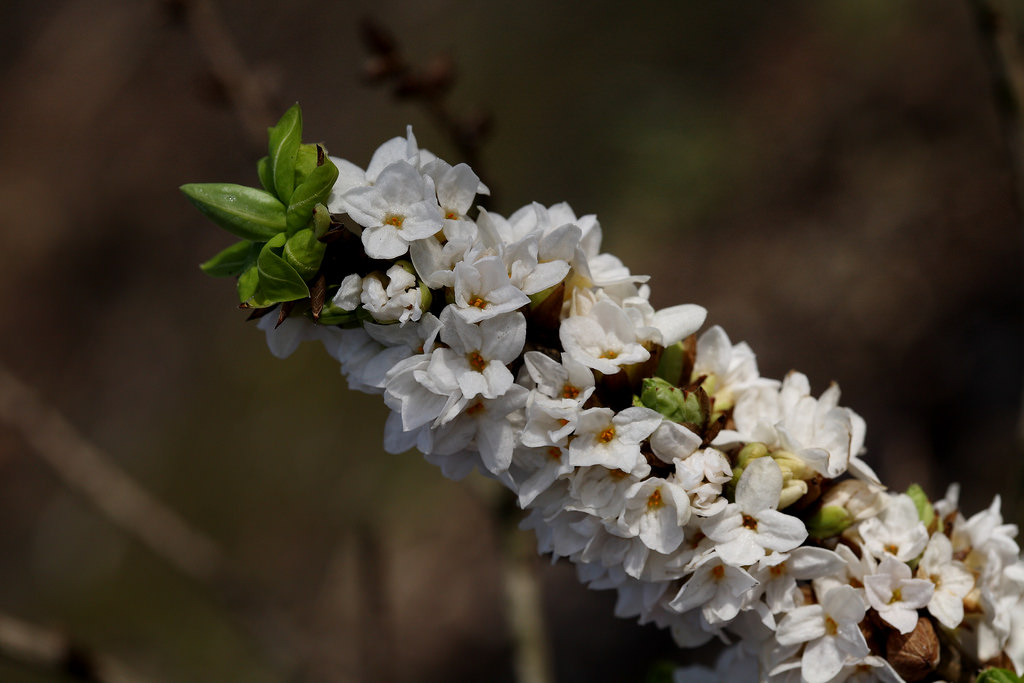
x=524 y=604
x=85 y=469
x=50 y=649
x=1001 y=46
x=245 y=90
x=1002 y=49
x=428 y=86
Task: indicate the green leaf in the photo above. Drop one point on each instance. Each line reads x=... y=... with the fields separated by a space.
x=265 y=174
x=314 y=190
x=248 y=282
x=993 y=675
x=231 y=261
x=925 y=511
x=249 y=213
x=307 y=159
x=278 y=280
x=304 y=252
x=285 y=139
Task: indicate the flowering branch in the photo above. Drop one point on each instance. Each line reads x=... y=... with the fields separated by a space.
x=716 y=502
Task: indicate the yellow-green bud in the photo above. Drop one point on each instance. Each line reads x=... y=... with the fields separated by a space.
x=829 y=521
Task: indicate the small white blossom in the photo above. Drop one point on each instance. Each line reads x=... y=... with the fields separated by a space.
x=895 y=595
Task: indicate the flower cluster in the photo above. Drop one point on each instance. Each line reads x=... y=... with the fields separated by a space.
x=717 y=503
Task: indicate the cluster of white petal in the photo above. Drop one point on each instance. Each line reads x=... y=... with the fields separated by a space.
x=726 y=506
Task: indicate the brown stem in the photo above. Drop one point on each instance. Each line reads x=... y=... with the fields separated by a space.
x=36 y=646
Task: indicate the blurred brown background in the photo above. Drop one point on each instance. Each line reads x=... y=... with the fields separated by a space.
x=829 y=179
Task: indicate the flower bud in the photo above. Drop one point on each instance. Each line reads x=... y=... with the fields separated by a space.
x=829 y=521
x=916 y=654
x=674 y=403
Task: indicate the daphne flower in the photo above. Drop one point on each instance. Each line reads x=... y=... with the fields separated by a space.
x=953 y=581
x=474 y=363
x=398 y=209
x=717 y=588
x=895 y=595
x=613 y=440
x=604 y=340
x=483 y=290
x=898 y=531
x=656 y=511
x=746 y=529
x=830 y=633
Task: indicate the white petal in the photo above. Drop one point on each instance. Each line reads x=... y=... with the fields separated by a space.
x=760 y=486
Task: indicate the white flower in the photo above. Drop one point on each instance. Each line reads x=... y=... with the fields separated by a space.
x=613 y=440
x=702 y=475
x=895 y=595
x=398 y=209
x=898 y=531
x=953 y=581
x=456 y=187
x=656 y=511
x=565 y=380
x=717 y=588
x=475 y=361
x=483 y=290
x=830 y=632
x=778 y=573
x=398 y=300
x=744 y=530
x=604 y=339
x=484 y=424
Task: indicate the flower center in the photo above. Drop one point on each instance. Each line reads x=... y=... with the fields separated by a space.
x=476 y=361
x=394 y=219
x=606 y=434
x=749 y=522
x=610 y=354
x=451 y=215
x=569 y=391
x=897 y=596
x=654 y=501
x=555 y=453
x=718 y=572
x=477 y=302
x=831 y=627
x=475 y=408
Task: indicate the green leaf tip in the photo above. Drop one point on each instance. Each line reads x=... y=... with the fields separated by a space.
x=283 y=144
x=243 y=211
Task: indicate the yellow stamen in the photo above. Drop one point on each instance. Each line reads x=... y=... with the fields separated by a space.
x=607 y=434
x=476 y=361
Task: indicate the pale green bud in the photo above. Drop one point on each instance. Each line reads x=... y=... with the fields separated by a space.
x=829 y=521
x=672 y=402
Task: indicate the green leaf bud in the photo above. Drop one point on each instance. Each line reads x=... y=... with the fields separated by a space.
x=249 y=213
x=307 y=159
x=674 y=403
x=314 y=190
x=279 y=281
x=321 y=220
x=304 y=252
x=671 y=363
